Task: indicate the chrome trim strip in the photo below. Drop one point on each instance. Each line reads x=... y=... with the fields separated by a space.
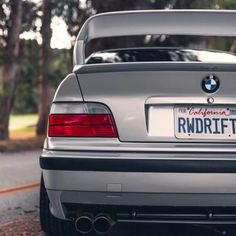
x=113 y=145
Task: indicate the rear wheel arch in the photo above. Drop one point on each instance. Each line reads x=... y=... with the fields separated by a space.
x=49 y=223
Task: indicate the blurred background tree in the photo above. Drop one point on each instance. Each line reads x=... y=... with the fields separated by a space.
x=12 y=23
x=31 y=69
x=45 y=67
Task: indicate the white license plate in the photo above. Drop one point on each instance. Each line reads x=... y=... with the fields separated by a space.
x=205 y=122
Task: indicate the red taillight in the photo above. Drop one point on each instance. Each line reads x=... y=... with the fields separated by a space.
x=81 y=125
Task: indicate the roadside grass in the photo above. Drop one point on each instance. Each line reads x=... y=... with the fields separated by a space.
x=23 y=126
x=22 y=134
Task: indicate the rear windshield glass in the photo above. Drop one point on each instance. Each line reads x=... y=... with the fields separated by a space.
x=160 y=55
x=162 y=49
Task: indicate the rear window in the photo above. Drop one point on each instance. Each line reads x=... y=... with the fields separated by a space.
x=160 y=55
x=162 y=48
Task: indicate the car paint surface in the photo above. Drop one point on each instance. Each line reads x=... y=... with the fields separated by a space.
x=142 y=97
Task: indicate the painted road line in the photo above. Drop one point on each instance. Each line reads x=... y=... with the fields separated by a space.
x=19 y=188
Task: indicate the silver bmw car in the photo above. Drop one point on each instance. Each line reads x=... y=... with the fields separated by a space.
x=143 y=135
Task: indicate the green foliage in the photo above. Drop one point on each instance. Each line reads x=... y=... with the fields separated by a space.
x=62 y=65
x=26 y=94
x=30 y=11
x=183 y=4
x=220 y=43
x=72 y=13
x=119 y=5
x=25 y=101
x=227 y=4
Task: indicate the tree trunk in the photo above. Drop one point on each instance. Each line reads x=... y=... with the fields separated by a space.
x=10 y=68
x=44 y=87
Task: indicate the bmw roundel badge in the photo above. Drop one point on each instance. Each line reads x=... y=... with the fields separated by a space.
x=210 y=84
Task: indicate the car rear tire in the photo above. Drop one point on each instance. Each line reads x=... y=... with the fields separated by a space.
x=49 y=223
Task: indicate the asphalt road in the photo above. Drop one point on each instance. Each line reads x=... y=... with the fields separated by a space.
x=17 y=169
x=14 y=206
x=23 y=168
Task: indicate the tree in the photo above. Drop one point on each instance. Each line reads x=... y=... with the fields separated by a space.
x=44 y=94
x=73 y=14
x=10 y=66
x=26 y=93
x=12 y=23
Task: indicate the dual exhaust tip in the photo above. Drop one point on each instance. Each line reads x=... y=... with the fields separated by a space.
x=101 y=224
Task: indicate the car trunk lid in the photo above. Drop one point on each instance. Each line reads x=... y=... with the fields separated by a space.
x=144 y=97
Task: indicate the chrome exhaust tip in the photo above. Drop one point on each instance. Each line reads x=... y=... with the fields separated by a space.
x=84 y=224
x=102 y=224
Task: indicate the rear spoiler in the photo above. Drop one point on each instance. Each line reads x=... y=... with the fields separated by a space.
x=154 y=22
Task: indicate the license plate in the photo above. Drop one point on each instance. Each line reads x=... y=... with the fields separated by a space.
x=205 y=122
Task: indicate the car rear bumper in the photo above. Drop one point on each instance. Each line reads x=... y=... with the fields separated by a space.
x=161 y=180
x=157 y=208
